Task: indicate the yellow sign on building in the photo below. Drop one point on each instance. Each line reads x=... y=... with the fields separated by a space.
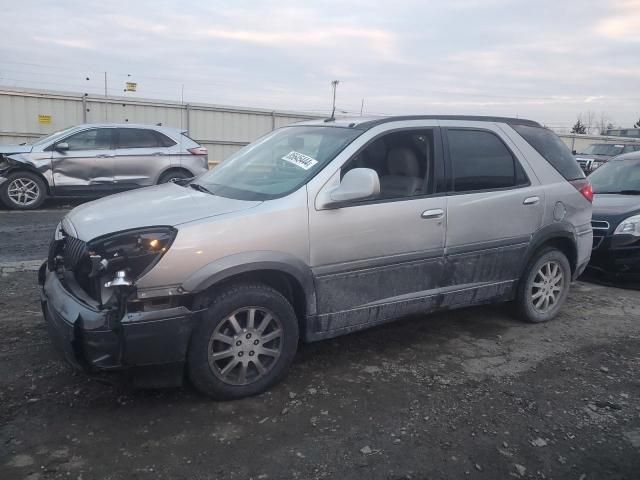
x=131 y=87
x=44 y=119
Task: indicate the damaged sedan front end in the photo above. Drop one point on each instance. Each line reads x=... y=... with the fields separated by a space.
x=94 y=316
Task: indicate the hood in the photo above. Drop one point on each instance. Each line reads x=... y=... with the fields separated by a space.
x=581 y=156
x=167 y=204
x=9 y=149
x=612 y=205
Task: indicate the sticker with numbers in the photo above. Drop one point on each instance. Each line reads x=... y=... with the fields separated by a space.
x=300 y=159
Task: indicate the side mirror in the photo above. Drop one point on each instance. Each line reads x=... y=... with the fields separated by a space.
x=357 y=184
x=62 y=147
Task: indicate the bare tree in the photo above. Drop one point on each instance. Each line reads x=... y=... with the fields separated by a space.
x=603 y=123
x=589 y=120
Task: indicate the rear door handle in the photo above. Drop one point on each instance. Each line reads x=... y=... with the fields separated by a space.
x=158 y=154
x=531 y=201
x=433 y=213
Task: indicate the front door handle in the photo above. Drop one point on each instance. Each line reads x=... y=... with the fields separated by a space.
x=104 y=155
x=434 y=213
x=531 y=201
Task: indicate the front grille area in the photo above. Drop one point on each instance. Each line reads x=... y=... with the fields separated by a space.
x=585 y=165
x=600 y=230
x=599 y=225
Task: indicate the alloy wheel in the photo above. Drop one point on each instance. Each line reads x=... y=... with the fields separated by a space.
x=547 y=286
x=23 y=191
x=245 y=346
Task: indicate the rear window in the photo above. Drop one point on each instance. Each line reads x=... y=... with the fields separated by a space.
x=137 y=138
x=549 y=145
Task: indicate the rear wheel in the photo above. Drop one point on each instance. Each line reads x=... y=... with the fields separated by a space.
x=23 y=191
x=245 y=343
x=544 y=286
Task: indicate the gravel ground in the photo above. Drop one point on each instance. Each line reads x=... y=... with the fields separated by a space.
x=466 y=394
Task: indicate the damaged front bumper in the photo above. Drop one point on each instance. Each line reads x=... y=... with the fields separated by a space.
x=150 y=344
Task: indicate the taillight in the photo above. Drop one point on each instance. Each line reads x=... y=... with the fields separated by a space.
x=198 y=151
x=584 y=187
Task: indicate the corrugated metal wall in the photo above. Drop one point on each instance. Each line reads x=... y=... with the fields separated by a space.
x=223 y=130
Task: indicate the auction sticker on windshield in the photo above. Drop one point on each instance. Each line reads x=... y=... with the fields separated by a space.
x=300 y=159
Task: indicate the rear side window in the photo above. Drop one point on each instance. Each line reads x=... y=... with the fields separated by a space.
x=481 y=161
x=137 y=138
x=549 y=145
x=164 y=140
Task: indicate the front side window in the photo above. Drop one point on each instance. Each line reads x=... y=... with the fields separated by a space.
x=402 y=160
x=95 y=139
x=481 y=161
x=277 y=164
x=137 y=138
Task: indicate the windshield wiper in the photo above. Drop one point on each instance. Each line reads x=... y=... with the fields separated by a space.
x=200 y=188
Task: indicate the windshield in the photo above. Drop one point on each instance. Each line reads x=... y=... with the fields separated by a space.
x=617 y=177
x=278 y=163
x=53 y=137
x=603 y=149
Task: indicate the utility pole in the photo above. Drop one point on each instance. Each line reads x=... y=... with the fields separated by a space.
x=105 y=97
x=334 y=85
x=361 y=107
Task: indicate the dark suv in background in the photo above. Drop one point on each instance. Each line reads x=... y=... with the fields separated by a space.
x=95 y=160
x=596 y=154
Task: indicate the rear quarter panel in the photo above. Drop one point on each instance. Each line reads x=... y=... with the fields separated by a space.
x=563 y=202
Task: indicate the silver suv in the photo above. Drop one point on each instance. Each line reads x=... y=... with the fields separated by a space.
x=94 y=160
x=316 y=230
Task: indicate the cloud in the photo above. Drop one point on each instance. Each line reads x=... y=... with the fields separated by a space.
x=624 y=24
x=543 y=59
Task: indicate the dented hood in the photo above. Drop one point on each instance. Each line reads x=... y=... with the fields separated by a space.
x=167 y=204
x=10 y=149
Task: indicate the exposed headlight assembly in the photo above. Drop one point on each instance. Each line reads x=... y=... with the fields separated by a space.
x=629 y=226
x=133 y=251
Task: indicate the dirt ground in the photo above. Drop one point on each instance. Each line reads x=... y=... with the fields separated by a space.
x=467 y=394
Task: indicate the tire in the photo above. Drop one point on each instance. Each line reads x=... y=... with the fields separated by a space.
x=23 y=191
x=241 y=342
x=552 y=264
x=173 y=175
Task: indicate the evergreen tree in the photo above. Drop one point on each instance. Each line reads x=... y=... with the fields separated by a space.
x=579 y=127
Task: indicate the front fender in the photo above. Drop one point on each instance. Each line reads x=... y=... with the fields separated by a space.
x=16 y=162
x=227 y=267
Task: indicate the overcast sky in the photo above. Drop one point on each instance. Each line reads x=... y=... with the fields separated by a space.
x=547 y=60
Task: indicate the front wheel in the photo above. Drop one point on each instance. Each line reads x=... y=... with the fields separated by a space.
x=544 y=286
x=245 y=343
x=23 y=191
x=173 y=176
